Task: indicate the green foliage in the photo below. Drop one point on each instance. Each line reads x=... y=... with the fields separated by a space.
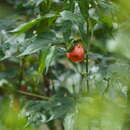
x=92 y=94
x=50 y=57
x=26 y=26
x=56 y=108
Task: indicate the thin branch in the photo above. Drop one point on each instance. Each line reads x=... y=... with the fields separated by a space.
x=33 y=95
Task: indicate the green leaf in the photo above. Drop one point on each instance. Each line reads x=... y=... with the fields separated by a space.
x=50 y=57
x=74 y=18
x=78 y=20
x=26 y=26
x=42 y=64
x=38 y=44
x=11 y=45
x=84 y=6
x=44 y=111
x=67 y=25
x=38 y=2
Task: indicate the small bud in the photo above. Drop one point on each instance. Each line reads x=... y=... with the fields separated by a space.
x=23 y=88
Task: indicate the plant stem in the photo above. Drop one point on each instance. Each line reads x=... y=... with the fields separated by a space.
x=87 y=55
x=21 y=65
x=87 y=73
x=33 y=95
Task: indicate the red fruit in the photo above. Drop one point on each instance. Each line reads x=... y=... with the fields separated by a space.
x=23 y=88
x=77 y=54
